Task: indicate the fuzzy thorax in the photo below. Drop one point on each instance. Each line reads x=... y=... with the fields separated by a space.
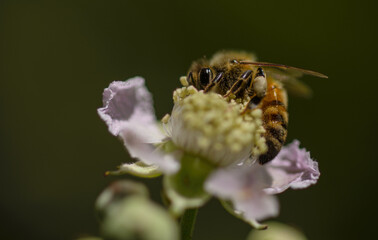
x=214 y=128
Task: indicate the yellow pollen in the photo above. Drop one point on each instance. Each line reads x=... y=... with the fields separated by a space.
x=213 y=126
x=165 y=119
x=184 y=81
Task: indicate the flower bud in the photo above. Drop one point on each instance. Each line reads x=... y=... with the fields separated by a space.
x=136 y=217
x=118 y=191
x=276 y=231
x=126 y=213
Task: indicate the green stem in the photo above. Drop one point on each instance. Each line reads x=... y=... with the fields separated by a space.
x=188 y=221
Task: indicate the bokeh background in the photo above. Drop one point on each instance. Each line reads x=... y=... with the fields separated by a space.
x=58 y=56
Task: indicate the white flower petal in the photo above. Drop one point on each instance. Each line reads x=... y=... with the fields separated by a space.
x=135 y=143
x=258 y=207
x=130 y=102
x=129 y=113
x=293 y=167
x=230 y=208
x=244 y=187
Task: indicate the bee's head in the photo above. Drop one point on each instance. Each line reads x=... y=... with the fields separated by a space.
x=201 y=78
x=200 y=74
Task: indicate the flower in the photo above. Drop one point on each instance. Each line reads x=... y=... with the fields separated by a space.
x=251 y=188
x=204 y=150
x=125 y=212
x=129 y=114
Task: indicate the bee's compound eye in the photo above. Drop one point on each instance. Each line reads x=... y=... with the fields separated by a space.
x=205 y=75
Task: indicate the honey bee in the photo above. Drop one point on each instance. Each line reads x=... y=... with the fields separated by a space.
x=237 y=73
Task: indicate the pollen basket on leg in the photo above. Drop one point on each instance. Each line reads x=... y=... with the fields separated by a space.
x=211 y=127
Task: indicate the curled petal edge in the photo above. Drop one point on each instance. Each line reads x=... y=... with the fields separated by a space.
x=229 y=208
x=148 y=153
x=292 y=168
x=138 y=169
x=128 y=102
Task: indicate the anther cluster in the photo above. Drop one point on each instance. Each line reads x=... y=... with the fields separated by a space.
x=214 y=127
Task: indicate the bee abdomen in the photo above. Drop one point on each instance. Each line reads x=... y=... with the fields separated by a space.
x=273 y=149
x=275 y=124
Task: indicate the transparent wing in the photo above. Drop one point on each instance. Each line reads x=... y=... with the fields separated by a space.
x=288 y=76
x=288 y=69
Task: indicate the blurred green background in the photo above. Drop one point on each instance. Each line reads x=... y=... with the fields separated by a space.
x=58 y=56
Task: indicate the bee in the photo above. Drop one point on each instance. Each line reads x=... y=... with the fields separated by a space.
x=238 y=73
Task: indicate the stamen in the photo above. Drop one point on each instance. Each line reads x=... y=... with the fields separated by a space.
x=180 y=93
x=165 y=119
x=184 y=81
x=211 y=126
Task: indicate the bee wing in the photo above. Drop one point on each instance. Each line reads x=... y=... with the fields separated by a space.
x=293 y=71
x=288 y=76
x=291 y=84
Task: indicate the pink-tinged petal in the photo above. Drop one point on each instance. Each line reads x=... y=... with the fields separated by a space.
x=129 y=114
x=126 y=102
x=244 y=187
x=293 y=167
x=135 y=143
x=258 y=207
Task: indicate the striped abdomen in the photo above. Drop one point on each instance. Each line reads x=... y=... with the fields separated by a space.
x=275 y=120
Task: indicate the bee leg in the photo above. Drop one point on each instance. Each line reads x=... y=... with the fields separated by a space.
x=252 y=104
x=247 y=78
x=190 y=78
x=236 y=85
x=215 y=81
x=260 y=73
x=250 y=92
x=240 y=84
x=259 y=83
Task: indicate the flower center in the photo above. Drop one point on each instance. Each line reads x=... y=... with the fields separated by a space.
x=214 y=128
